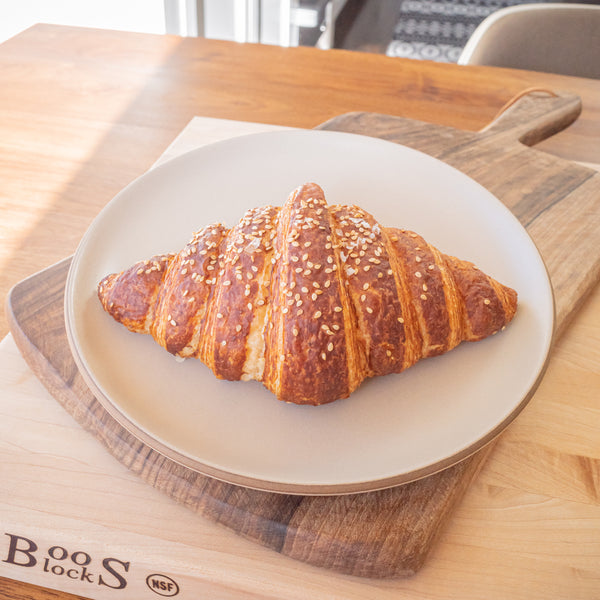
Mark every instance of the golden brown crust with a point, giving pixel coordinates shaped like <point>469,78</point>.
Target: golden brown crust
<point>310,299</point>
<point>306,354</point>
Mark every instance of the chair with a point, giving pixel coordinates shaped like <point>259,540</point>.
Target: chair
<point>553,38</point>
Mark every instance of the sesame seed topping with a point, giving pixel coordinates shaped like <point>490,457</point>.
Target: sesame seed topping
<point>324,356</point>
<point>418,274</point>
<point>317,314</point>
<point>369,310</point>
<point>330,346</point>
<point>400,320</point>
<point>486,301</point>
<point>423,297</point>
<point>338,309</point>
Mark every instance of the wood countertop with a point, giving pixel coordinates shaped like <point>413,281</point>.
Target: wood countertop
<point>83,112</point>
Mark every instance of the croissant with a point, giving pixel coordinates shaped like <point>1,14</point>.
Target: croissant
<point>307,298</point>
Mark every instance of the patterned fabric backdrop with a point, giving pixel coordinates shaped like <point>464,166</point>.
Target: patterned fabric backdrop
<point>437,29</point>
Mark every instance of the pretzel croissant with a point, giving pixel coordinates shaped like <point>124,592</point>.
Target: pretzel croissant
<point>308,298</point>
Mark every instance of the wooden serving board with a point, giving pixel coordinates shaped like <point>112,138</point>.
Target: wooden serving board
<point>385,533</point>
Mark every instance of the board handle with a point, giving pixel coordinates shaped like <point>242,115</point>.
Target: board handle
<point>534,115</point>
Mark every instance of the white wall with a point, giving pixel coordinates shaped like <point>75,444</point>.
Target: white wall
<point>130,15</point>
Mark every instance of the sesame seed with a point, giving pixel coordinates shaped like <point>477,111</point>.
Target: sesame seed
<point>418,259</point>
<point>431,267</point>
<point>324,356</point>
<point>317,314</point>
<point>295,331</point>
<point>363,297</point>
<point>486,301</point>
<point>400,320</point>
<point>173,322</point>
<point>423,297</point>
<point>424,287</point>
<point>369,310</point>
<point>418,274</point>
<point>219,316</point>
<point>330,346</point>
<point>314,297</point>
<point>338,309</point>
<point>388,353</point>
<point>238,328</point>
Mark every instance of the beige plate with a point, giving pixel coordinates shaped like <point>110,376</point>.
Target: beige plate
<point>393,429</point>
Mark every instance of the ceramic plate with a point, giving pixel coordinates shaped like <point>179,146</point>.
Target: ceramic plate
<point>393,429</point>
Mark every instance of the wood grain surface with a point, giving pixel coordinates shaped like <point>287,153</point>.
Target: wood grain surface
<point>84,111</point>
<point>390,532</point>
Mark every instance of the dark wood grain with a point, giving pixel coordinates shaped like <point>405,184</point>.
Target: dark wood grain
<point>386,533</point>
<point>377,534</point>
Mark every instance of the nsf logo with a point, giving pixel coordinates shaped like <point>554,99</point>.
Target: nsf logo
<point>162,585</point>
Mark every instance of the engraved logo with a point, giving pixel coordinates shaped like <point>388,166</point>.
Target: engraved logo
<point>162,585</point>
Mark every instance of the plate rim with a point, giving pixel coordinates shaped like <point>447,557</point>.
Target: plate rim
<point>266,485</point>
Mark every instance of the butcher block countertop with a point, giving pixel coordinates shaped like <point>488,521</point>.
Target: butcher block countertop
<point>84,112</point>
